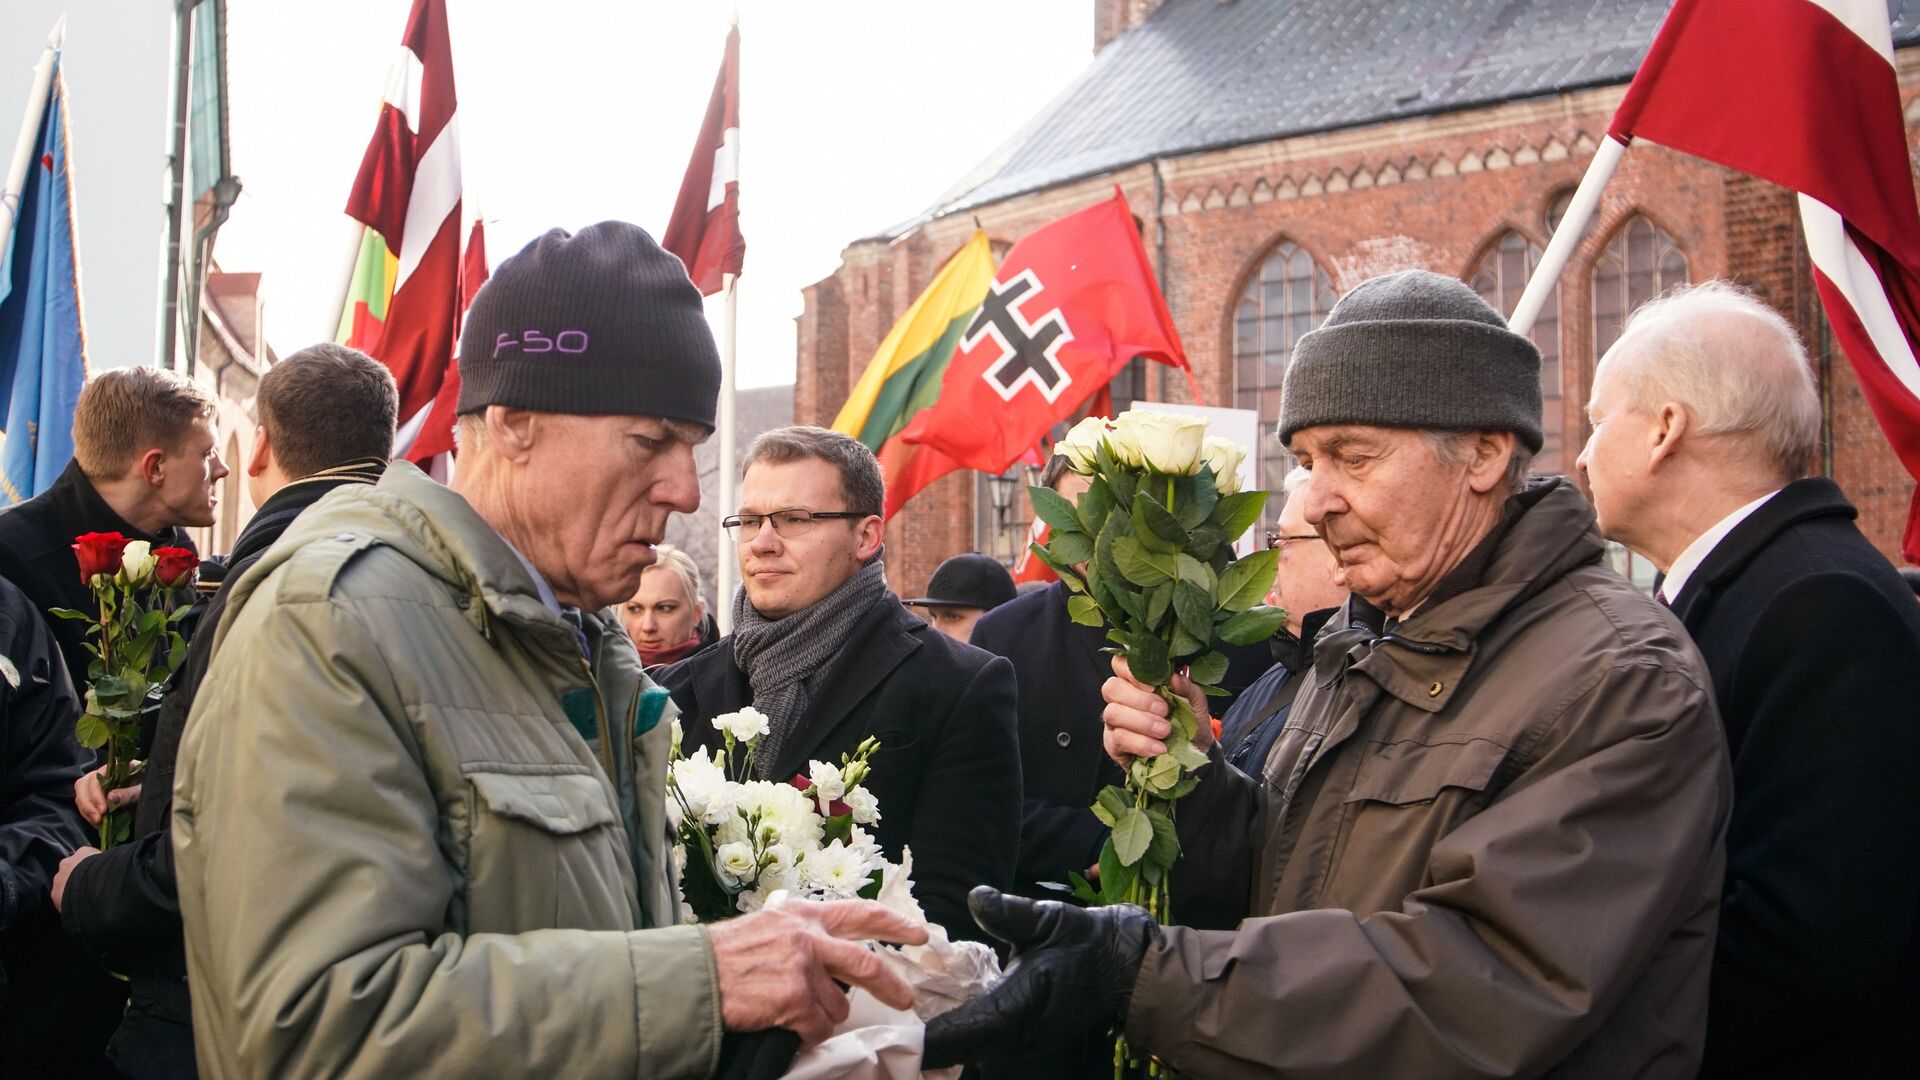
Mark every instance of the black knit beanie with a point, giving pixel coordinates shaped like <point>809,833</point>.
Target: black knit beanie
<point>602,322</point>
<point>1414,350</point>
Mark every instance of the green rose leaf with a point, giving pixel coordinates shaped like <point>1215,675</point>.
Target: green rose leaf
<point>1205,541</point>
<point>1195,609</point>
<point>1085,610</point>
<point>1184,723</point>
<point>1165,846</point>
<point>1082,889</point>
<point>91,731</point>
<point>1163,773</point>
<point>1235,514</point>
<point>69,613</point>
<point>1245,583</point>
<point>1147,657</point>
<point>1252,626</point>
<point>1209,669</point>
<point>1140,566</point>
<point>1202,497</point>
<point>1132,834</point>
<point>1116,877</point>
<point>1193,570</point>
<point>1159,598</point>
<point>1185,644</point>
<point>1054,508</point>
<point>1183,788</point>
<point>1133,604</point>
<point>1070,547</point>
<point>1155,527</point>
<point>1094,505</point>
<point>1188,755</point>
<point>1111,803</point>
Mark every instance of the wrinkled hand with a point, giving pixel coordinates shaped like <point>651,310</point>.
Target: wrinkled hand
<point>65,871</point>
<point>1073,971</point>
<point>1136,717</point>
<point>779,965</point>
<point>92,799</point>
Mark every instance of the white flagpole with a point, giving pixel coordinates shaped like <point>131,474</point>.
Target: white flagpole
<point>29,131</point>
<point>726,558</point>
<point>1586,198</point>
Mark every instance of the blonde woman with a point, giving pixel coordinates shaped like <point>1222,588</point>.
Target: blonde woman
<point>664,618</point>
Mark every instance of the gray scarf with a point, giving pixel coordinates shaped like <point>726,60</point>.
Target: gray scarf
<point>779,655</point>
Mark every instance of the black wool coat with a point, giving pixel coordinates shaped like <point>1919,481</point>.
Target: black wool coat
<point>36,553</point>
<point>1813,641</point>
<point>1060,669</point>
<point>947,774</point>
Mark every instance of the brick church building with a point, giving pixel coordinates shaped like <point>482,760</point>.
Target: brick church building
<point>1279,152</point>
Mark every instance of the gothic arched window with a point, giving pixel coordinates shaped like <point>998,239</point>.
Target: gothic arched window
<point>1639,263</point>
<point>1500,278</point>
<point>1287,297</point>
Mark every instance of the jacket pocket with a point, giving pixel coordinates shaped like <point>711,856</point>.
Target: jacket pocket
<point>545,851</point>
<point>1405,773</point>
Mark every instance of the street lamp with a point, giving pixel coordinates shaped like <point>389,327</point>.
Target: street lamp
<point>1003,491</point>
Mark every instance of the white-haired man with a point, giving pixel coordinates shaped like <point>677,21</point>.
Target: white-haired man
<point>1486,842</point>
<point>418,818</point>
<point>1705,426</point>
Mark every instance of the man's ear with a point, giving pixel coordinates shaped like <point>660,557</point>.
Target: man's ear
<point>873,533</point>
<point>1491,452</point>
<point>152,466</point>
<point>261,454</point>
<point>1671,426</point>
<point>512,431</point>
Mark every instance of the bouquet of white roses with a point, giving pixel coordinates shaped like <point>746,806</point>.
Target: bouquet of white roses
<point>740,840</point>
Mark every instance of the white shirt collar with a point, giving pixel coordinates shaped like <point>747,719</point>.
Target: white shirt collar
<point>1703,545</point>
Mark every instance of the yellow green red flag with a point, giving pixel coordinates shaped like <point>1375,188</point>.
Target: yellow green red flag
<point>905,374</point>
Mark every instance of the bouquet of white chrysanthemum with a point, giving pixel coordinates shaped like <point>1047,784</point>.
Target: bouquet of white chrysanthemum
<point>739,841</point>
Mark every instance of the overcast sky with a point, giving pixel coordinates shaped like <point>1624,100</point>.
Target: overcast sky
<point>855,114</point>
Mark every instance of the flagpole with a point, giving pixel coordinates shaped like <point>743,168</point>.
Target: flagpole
<point>30,130</point>
<point>724,555</point>
<point>1586,199</point>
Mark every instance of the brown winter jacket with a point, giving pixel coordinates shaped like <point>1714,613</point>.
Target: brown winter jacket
<point>1486,844</point>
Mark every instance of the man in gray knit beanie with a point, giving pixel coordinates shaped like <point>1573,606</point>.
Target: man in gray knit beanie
<point>1499,793</point>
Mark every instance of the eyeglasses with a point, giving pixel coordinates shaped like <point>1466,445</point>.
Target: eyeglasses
<point>1276,540</point>
<point>787,523</point>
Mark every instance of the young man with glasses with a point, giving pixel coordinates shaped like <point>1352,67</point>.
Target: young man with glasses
<point>822,647</point>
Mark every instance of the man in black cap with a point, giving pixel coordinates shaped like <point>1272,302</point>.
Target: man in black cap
<point>421,806</point>
<point>964,588</point>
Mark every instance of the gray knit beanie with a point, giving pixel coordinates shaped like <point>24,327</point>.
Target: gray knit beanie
<point>602,322</point>
<point>1414,350</point>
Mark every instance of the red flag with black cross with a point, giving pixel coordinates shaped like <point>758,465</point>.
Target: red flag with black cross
<point>1071,304</point>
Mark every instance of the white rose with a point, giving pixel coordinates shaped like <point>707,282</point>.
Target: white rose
<point>735,864</point>
<point>1224,457</point>
<point>1082,443</point>
<point>1169,443</point>
<point>866,808</point>
<point>776,862</point>
<point>1124,439</point>
<point>745,726</point>
<point>136,563</point>
<point>827,783</point>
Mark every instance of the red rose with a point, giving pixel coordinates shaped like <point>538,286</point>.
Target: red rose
<point>98,553</point>
<point>174,566</point>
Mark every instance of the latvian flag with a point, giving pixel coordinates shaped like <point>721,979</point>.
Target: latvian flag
<point>1803,93</point>
<point>705,228</point>
<point>403,302</point>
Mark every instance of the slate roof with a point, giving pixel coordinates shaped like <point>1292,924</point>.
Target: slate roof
<point>1205,74</point>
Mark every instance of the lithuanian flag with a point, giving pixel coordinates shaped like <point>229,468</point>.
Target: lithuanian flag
<point>904,376</point>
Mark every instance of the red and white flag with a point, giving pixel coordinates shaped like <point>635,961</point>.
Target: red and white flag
<point>403,304</point>
<point>705,228</point>
<point>1803,93</point>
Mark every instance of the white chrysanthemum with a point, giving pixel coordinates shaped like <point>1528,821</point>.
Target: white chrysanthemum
<point>709,795</point>
<point>866,808</point>
<point>745,726</point>
<point>837,872</point>
<point>784,813</point>
<point>735,864</point>
<point>828,785</point>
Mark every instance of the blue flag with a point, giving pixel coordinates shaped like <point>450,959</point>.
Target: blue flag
<point>42,340</point>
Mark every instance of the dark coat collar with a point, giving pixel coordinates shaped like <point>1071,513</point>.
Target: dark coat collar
<point>77,506</point>
<point>1802,500</point>
<point>880,642</point>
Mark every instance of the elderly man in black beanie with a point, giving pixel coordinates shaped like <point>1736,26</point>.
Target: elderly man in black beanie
<point>418,818</point>
<point>1487,842</point>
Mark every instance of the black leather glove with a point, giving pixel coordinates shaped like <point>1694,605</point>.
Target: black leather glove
<point>1073,971</point>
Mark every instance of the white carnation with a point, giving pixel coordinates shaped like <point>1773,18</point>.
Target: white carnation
<point>745,726</point>
<point>735,864</point>
<point>866,808</point>
<point>828,785</point>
